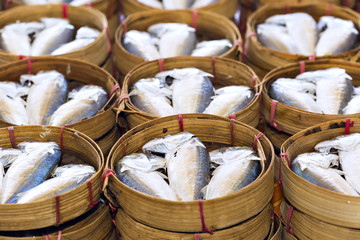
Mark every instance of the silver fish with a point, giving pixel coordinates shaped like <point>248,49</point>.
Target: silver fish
<point>230,99</point>
<point>12,110</point>
<point>166,144</point>
<point>353,106</point>
<point>69,177</point>
<point>315,168</point>
<point>84,103</point>
<point>154,86</point>
<point>46,94</point>
<point>239,167</point>
<point>138,172</point>
<point>177,43</point>
<point>314,76</point>
<point>56,33</point>
<point>81,2</point>
<point>294,84</point>
<point>339,36</point>
<point>192,95</point>
<point>87,32</point>
<point>140,44</point>
<point>152,3</point>
<point>42,2</point>
<point>203,3</point>
<point>160,29</point>
<point>211,48</point>
<point>30,169</point>
<point>344,143</point>
<point>188,169</point>
<point>13,89</point>
<point>177,4</point>
<point>15,37</point>
<point>276,38</point>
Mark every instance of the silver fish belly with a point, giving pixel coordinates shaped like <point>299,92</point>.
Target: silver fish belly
<point>188,169</point>
<point>177,43</point>
<point>152,3</point>
<point>211,48</point>
<point>177,4</point>
<point>349,161</point>
<point>12,110</point>
<point>141,45</point>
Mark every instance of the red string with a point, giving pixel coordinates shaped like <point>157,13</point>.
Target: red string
<point>123,144</point>
<point>125,27</point>
<point>312,58</point>
<point>358,7</point>
<point>125,96</point>
<point>48,237</point>
<point>59,235</point>
<point>287,8</point>
<point>204,228</point>
<point>92,203</point>
<point>213,68</point>
<point>346,3</point>
<point>11,131</point>
<point>243,20</point>
<point>194,19</point>
<point>161,64</point>
<point>89,5</point>
<point>329,9</point>
<point>108,38</point>
<point>348,125</point>
<point>257,139</point>
<point>62,137</point>
<point>28,61</point>
<point>115,87</point>
<point>197,236</point>
<point>107,172</point>
<point>64,10</point>
<point>232,133</point>
<point>287,158</point>
<point>288,227</point>
<point>181,123</point>
<point>57,200</point>
<point>272,117</point>
<point>302,66</point>
<point>253,81</point>
<point>251,34</point>
<point>113,216</point>
<point>21,57</point>
<point>7,4</point>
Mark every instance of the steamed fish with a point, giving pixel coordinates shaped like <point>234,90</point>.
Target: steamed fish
<point>239,166</point>
<point>211,48</point>
<point>152,3</point>
<point>203,3</point>
<point>140,44</point>
<point>13,89</point>
<point>177,4</point>
<point>12,110</point>
<point>354,104</point>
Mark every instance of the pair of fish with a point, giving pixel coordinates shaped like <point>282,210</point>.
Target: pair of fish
<point>188,169</point>
<point>333,89</point>
<point>45,103</point>
<point>177,4</point>
<point>187,90</point>
<point>165,40</point>
<point>317,167</point>
<point>51,36</point>
<point>298,33</point>
<point>70,2</point>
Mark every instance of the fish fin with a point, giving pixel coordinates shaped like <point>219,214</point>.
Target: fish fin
<point>162,175</point>
<point>203,191</point>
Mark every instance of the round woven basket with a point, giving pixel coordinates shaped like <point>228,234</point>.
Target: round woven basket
<point>96,52</point>
<point>307,227</point>
<point>277,229</point>
<point>227,71</point>
<point>219,213</point>
<point>94,127</point>
<point>258,3</point>
<point>268,59</point>
<point>98,225</point>
<point>328,206</point>
<point>292,120</point>
<point>208,24</point>
<point>72,204</point>
<point>226,8</point>
<point>108,140</point>
<point>254,228</point>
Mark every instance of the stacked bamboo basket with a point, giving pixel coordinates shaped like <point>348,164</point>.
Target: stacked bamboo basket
<point>102,127</point>
<point>227,72</point>
<point>67,206</point>
<point>209,25</point>
<point>262,59</point>
<point>315,212</point>
<point>241,214</point>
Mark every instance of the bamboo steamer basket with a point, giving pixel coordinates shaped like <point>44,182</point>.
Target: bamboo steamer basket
<point>254,4</point>
<point>72,204</point>
<point>94,127</point>
<point>208,24</point>
<point>254,228</point>
<point>266,58</point>
<point>98,225</point>
<point>307,227</point>
<point>275,137</point>
<point>277,229</point>
<point>226,8</point>
<point>185,217</point>
<point>108,140</point>
<point>96,52</point>
<point>328,206</point>
<point>227,71</point>
<point>113,23</point>
<point>291,120</point>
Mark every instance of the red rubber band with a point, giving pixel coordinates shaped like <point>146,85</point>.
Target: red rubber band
<point>358,7</point>
<point>232,132</point>
<point>123,148</point>
<point>253,81</point>
<point>64,10</point>
<point>21,57</point>
<point>92,203</point>
<point>329,9</point>
<point>11,131</point>
<point>125,27</point>
<point>302,66</point>
<point>194,19</point>
<point>28,61</point>
<point>161,64</point>
<point>108,38</point>
<point>272,117</point>
<point>257,138</point>
<point>213,68</point>
<point>251,34</point>
<point>107,172</point>
<point>197,236</point>
<point>115,87</point>
<point>288,227</point>
<point>125,96</point>
<point>181,123</point>
<point>113,215</point>
<point>62,137</point>
<point>287,8</point>
<point>204,228</point>
<point>348,125</point>
<point>346,3</point>
<point>57,200</point>
<point>287,158</point>
<point>312,58</point>
<point>7,4</point>
<point>59,235</point>
<point>48,237</point>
